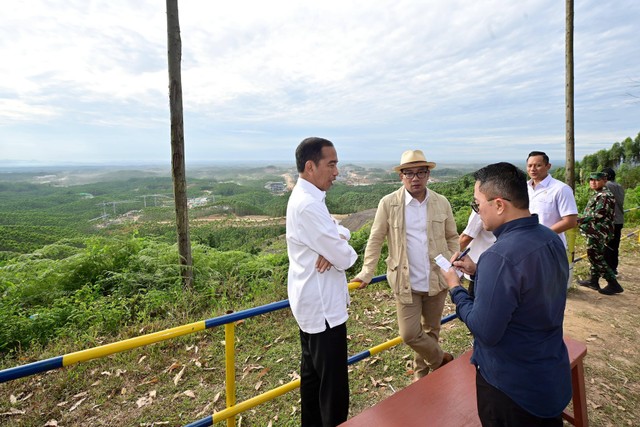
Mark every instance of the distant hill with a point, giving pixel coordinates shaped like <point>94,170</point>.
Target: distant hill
<point>356,221</point>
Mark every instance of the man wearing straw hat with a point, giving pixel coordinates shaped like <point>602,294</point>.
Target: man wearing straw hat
<point>418,225</point>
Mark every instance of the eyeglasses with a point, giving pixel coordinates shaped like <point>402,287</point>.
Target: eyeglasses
<point>476,206</point>
<point>419,174</point>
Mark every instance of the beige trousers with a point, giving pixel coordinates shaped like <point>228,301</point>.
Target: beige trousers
<point>419,324</point>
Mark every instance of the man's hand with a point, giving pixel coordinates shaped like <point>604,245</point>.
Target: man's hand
<point>322,264</point>
<point>466,264</point>
<point>451,277</point>
<point>362,284</point>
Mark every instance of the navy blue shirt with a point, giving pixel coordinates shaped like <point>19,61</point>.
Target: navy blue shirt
<point>517,314</point>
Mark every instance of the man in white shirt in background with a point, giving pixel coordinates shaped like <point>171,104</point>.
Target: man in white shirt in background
<point>477,239</point>
<point>551,199</point>
<point>317,286</point>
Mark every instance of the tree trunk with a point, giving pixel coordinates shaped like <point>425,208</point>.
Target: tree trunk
<point>177,142</point>
<point>570,138</point>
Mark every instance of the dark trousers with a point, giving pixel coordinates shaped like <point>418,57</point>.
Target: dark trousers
<point>611,250</point>
<point>496,409</point>
<point>324,380</point>
<point>595,254</point>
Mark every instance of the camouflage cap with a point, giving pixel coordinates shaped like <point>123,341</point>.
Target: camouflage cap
<point>596,175</point>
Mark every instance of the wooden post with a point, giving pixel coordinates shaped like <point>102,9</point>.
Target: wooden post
<point>570,138</point>
<point>177,142</point>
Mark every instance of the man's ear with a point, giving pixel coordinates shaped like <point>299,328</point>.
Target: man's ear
<point>308,166</point>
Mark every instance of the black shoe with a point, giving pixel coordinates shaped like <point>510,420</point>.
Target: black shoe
<point>613,287</point>
<point>591,283</point>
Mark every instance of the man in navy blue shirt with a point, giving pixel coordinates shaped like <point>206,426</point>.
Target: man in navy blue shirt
<point>523,373</point>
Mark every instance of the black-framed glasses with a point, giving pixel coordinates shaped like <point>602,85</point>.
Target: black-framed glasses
<point>476,206</point>
<point>419,174</point>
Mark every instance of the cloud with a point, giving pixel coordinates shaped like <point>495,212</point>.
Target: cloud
<point>470,79</point>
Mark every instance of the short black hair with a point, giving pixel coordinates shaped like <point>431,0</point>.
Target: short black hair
<point>310,149</point>
<point>504,180</point>
<point>610,173</point>
<point>539,153</point>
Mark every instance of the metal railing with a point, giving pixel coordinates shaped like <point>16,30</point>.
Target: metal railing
<point>626,236</point>
<point>228,320</point>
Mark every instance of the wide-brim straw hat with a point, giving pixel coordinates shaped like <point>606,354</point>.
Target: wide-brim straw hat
<point>412,159</point>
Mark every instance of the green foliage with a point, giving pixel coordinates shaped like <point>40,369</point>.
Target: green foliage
<point>27,238</point>
<point>460,194</point>
<point>631,203</point>
<point>358,242</point>
<point>60,275</point>
<point>623,156</point>
<point>97,285</point>
<point>232,235</point>
<point>344,199</point>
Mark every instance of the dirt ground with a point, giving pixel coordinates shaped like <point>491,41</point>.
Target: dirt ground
<point>609,325</point>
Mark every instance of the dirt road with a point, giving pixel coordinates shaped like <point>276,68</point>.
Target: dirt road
<point>610,326</point>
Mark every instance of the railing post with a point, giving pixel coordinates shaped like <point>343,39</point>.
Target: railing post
<point>230,366</point>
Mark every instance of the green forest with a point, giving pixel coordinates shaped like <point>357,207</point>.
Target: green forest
<point>90,258</point>
<point>73,264</point>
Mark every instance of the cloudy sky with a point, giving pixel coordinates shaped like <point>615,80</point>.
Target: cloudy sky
<point>86,81</point>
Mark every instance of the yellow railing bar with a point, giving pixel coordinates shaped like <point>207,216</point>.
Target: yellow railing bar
<point>116,347</point>
<point>255,401</point>
<point>230,367</point>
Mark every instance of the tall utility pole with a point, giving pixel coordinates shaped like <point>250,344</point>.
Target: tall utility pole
<point>570,171</point>
<point>177,142</point>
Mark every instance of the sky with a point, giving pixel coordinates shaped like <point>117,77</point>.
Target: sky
<point>86,81</point>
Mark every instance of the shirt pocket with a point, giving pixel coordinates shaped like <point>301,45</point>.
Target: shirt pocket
<point>544,203</point>
<point>438,227</point>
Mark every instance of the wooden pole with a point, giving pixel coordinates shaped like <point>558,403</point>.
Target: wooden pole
<point>178,172</point>
<point>570,138</point>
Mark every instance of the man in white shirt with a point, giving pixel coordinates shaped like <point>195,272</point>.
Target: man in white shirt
<point>551,199</point>
<point>477,239</point>
<point>418,225</point>
<point>317,286</point>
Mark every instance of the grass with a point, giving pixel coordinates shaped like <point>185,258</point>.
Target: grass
<point>182,380</point>
<point>139,387</point>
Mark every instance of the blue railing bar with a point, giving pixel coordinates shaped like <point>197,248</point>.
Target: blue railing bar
<point>204,422</point>
<point>364,354</point>
<point>30,369</point>
<point>267,308</point>
<point>58,362</point>
<point>245,314</point>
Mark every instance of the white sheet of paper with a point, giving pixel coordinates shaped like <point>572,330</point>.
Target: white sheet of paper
<point>445,264</point>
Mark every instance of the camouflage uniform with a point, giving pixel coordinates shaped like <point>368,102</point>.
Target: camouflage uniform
<point>596,223</point>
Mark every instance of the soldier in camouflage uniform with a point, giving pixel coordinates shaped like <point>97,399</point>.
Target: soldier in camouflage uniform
<point>596,223</point>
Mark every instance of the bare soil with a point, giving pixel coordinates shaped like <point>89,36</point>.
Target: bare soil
<point>609,325</point>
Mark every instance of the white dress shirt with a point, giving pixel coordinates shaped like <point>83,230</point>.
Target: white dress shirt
<point>551,200</point>
<point>482,239</point>
<point>415,219</point>
<point>316,297</point>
